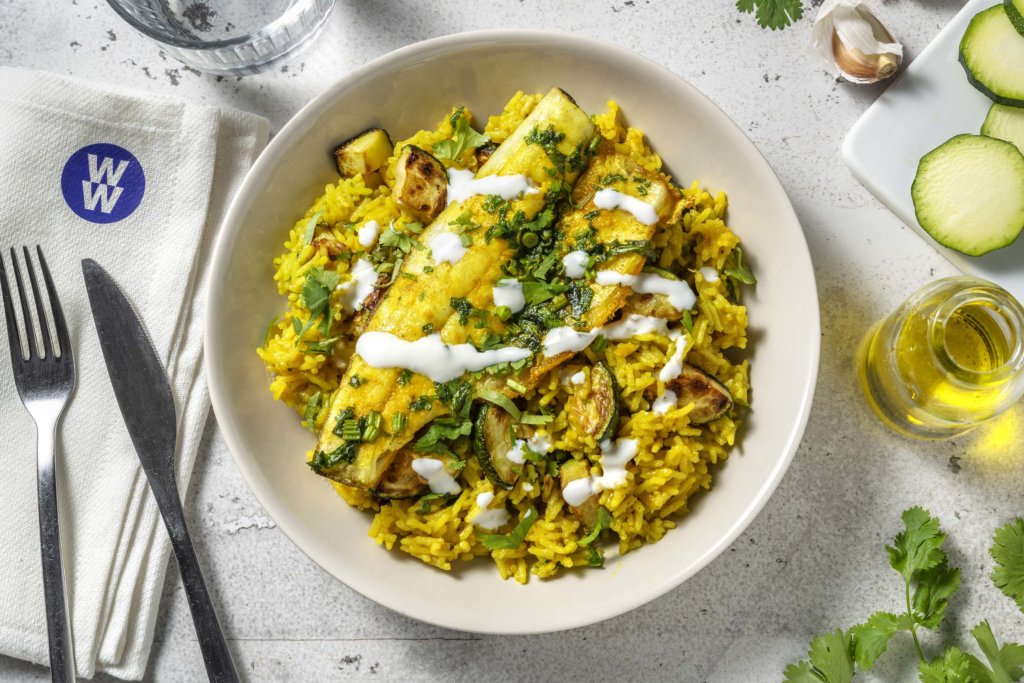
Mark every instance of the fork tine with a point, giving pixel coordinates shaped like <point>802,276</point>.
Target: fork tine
<point>12,323</point>
<point>30,331</point>
<point>60,326</point>
<point>44,326</point>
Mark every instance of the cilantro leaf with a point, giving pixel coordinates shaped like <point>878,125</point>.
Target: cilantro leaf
<point>1008,552</point>
<point>312,408</point>
<point>954,666</point>
<point>1007,662</point>
<point>932,592</point>
<point>269,330</point>
<point>515,538</point>
<point>872,637</point>
<point>919,547</point>
<point>440,431</point>
<point>307,236</point>
<point>801,672</point>
<point>773,14</point>
<point>316,294</point>
<point>464,138</point>
<point>831,661</point>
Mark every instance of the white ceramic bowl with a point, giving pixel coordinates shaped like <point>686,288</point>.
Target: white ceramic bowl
<point>413,88</point>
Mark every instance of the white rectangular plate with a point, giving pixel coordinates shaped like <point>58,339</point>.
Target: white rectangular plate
<point>928,104</point>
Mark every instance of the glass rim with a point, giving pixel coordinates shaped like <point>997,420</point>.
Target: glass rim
<point>200,46</point>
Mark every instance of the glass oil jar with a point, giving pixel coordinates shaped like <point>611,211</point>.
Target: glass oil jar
<point>949,358</point>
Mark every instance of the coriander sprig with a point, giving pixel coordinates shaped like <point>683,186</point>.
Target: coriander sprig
<point>929,582</point>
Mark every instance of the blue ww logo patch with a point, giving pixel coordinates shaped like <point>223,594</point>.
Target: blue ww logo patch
<point>103,183</point>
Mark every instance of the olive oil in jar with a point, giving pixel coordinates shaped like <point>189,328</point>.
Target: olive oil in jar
<point>948,359</point>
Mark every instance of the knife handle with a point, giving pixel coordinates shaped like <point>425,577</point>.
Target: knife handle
<point>219,666</point>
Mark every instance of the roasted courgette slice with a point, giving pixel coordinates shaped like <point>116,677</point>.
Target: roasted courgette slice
<point>492,440</point>
<point>421,183</point>
<point>484,152</point>
<point>651,305</point>
<point>365,153</point>
<point>400,481</point>
<point>709,397</point>
<point>594,406</point>
<point>571,470</point>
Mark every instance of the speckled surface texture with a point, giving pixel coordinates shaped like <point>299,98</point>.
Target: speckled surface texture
<point>813,560</point>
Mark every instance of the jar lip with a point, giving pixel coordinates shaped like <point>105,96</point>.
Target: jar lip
<point>1005,310</point>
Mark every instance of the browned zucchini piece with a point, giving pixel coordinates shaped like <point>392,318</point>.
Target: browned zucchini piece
<point>653,305</point>
<point>484,152</point>
<point>421,183</point>
<point>571,470</point>
<point>365,153</point>
<point>492,441</point>
<point>594,406</point>
<point>710,397</point>
<point>400,479</point>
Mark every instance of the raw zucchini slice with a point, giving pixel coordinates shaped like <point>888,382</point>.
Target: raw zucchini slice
<point>992,52</point>
<point>1015,13</point>
<point>969,193</point>
<point>594,407</point>
<point>365,153</point>
<point>1005,123</point>
<point>492,441</point>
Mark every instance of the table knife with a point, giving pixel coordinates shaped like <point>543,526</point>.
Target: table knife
<point>144,395</point>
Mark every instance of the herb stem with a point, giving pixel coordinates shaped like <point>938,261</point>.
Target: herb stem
<point>913,623</point>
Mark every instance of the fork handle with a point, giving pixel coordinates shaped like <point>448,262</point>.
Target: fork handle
<point>219,666</point>
<point>62,653</point>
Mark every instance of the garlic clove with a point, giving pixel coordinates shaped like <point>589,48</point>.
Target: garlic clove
<point>854,44</point>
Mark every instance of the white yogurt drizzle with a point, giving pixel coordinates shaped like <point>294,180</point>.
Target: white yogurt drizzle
<point>527,487</point>
<point>664,403</point>
<point>368,234</point>
<point>517,454</point>
<point>462,185</point>
<point>709,274</point>
<point>561,339</point>
<point>613,199</point>
<point>363,278</point>
<point>446,247</point>
<point>579,378</point>
<point>509,293</point>
<point>614,458</point>
<point>678,292</point>
<point>674,365</point>
<point>539,443</point>
<point>430,356</point>
<point>487,517</point>
<point>575,263</point>
<point>437,476</point>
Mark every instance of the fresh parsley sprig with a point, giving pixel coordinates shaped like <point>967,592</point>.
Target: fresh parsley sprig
<point>917,554</point>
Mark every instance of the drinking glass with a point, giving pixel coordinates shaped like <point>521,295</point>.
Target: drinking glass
<point>227,36</point>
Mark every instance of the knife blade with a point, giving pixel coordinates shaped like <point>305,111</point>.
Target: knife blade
<point>146,401</point>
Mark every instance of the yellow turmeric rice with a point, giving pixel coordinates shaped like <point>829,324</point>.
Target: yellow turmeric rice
<point>674,458</point>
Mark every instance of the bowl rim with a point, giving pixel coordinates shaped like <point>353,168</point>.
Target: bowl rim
<point>271,156</point>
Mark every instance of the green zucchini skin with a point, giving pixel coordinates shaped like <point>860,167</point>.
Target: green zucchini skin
<point>992,30</point>
<point>1015,13</point>
<point>601,372</point>
<point>495,463</point>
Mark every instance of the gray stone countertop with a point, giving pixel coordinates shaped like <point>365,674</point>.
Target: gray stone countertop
<point>812,561</point>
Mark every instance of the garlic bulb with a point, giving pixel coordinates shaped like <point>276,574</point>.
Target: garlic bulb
<point>854,43</point>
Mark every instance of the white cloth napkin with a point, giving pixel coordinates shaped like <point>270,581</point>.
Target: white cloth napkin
<point>61,191</point>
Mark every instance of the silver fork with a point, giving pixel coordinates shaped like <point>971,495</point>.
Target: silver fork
<point>45,377</point>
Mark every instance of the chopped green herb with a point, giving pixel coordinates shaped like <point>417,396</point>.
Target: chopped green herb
<point>442,431</point>
<point>558,302</point>
<point>514,539</point>
<point>421,403</point>
<point>612,178</point>
<point>312,408</point>
<point>424,507</point>
<point>269,329</point>
<point>740,273</point>
<point>311,224</point>
<point>321,346</point>
<point>428,328</point>
<point>398,422</point>
<point>580,296</point>
<point>404,377</point>
<point>464,138</point>
<point>688,321</point>
<point>457,395</point>
<point>1008,552</point>
<point>603,520</point>
<point>371,430</point>
<point>530,419</point>
<point>297,326</point>
<point>316,293</point>
<point>594,557</point>
<point>354,381</point>
<point>773,14</point>
<point>599,344</point>
<point>345,453</point>
<point>414,227</point>
<point>503,313</point>
<point>548,140</point>
<point>465,239</point>
<point>539,292</point>
<point>501,400</point>
<point>516,386</point>
<point>350,430</point>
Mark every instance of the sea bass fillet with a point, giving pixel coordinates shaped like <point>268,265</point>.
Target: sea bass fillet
<point>421,300</point>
